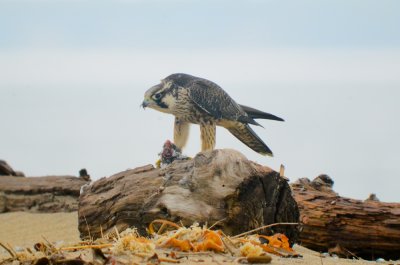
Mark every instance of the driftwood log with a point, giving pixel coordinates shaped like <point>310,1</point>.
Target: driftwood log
<point>7,170</point>
<point>369,229</point>
<point>219,186</point>
<point>40,194</point>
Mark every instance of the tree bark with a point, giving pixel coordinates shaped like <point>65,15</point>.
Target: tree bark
<point>7,170</point>
<point>369,229</point>
<point>40,194</point>
<point>217,186</point>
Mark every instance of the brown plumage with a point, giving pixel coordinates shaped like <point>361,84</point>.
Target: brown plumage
<point>196,100</point>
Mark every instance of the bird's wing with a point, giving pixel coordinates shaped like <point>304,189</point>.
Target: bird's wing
<point>213,100</point>
<point>247,136</point>
<point>258,114</point>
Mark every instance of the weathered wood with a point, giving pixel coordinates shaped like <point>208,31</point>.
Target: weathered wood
<point>369,229</point>
<point>221,185</point>
<point>7,170</point>
<point>40,194</point>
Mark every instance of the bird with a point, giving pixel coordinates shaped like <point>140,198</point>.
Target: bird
<point>195,100</point>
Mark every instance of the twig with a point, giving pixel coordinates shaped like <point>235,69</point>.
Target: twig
<point>101,231</point>
<point>87,247</point>
<point>262,228</point>
<point>351,253</point>
<point>50,246</point>
<point>117,233</point>
<point>168,260</point>
<point>228,239</point>
<point>282,171</point>
<point>142,255</point>
<point>216,223</point>
<point>6,261</point>
<point>180,253</point>
<point>48,242</point>
<point>163,222</point>
<point>162,227</point>
<point>87,227</point>
<point>12,249</point>
<point>12,253</point>
<point>227,246</point>
<point>225,237</point>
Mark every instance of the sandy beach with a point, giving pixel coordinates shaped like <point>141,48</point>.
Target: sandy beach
<point>22,229</point>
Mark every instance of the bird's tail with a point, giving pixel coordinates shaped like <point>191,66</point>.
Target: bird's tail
<point>247,136</point>
<point>258,114</point>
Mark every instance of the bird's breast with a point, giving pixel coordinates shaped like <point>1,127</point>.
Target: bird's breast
<point>185,110</point>
<point>195,117</point>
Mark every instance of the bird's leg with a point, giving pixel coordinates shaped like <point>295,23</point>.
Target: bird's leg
<point>207,134</point>
<point>181,133</point>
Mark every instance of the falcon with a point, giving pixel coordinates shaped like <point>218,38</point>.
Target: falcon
<point>199,101</point>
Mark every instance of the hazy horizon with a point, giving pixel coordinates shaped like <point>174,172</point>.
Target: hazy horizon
<point>73,74</point>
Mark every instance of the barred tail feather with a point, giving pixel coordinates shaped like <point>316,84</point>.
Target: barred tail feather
<point>247,136</point>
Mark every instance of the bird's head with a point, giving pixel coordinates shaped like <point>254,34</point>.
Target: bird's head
<point>159,97</point>
<point>162,97</point>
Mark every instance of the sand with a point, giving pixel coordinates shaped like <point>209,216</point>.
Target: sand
<point>23,229</point>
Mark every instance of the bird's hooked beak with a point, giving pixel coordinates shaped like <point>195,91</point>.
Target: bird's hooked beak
<point>148,102</point>
<point>145,103</point>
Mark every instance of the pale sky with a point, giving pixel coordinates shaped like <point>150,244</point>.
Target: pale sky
<point>73,74</point>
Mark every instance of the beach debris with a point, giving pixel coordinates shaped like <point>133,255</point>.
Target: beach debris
<point>129,240</point>
<point>250,250</point>
<point>47,194</point>
<point>328,218</point>
<point>7,170</point>
<point>83,174</point>
<point>194,238</point>
<point>262,259</point>
<point>372,197</point>
<point>213,186</point>
<point>168,242</point>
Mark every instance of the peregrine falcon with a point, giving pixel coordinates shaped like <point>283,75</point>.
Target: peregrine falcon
<point>199,101</point>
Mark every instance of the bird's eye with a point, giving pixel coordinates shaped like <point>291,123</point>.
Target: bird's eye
<point>157,96</point>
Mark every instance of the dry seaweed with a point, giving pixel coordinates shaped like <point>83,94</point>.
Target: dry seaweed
<point>168,242</point>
